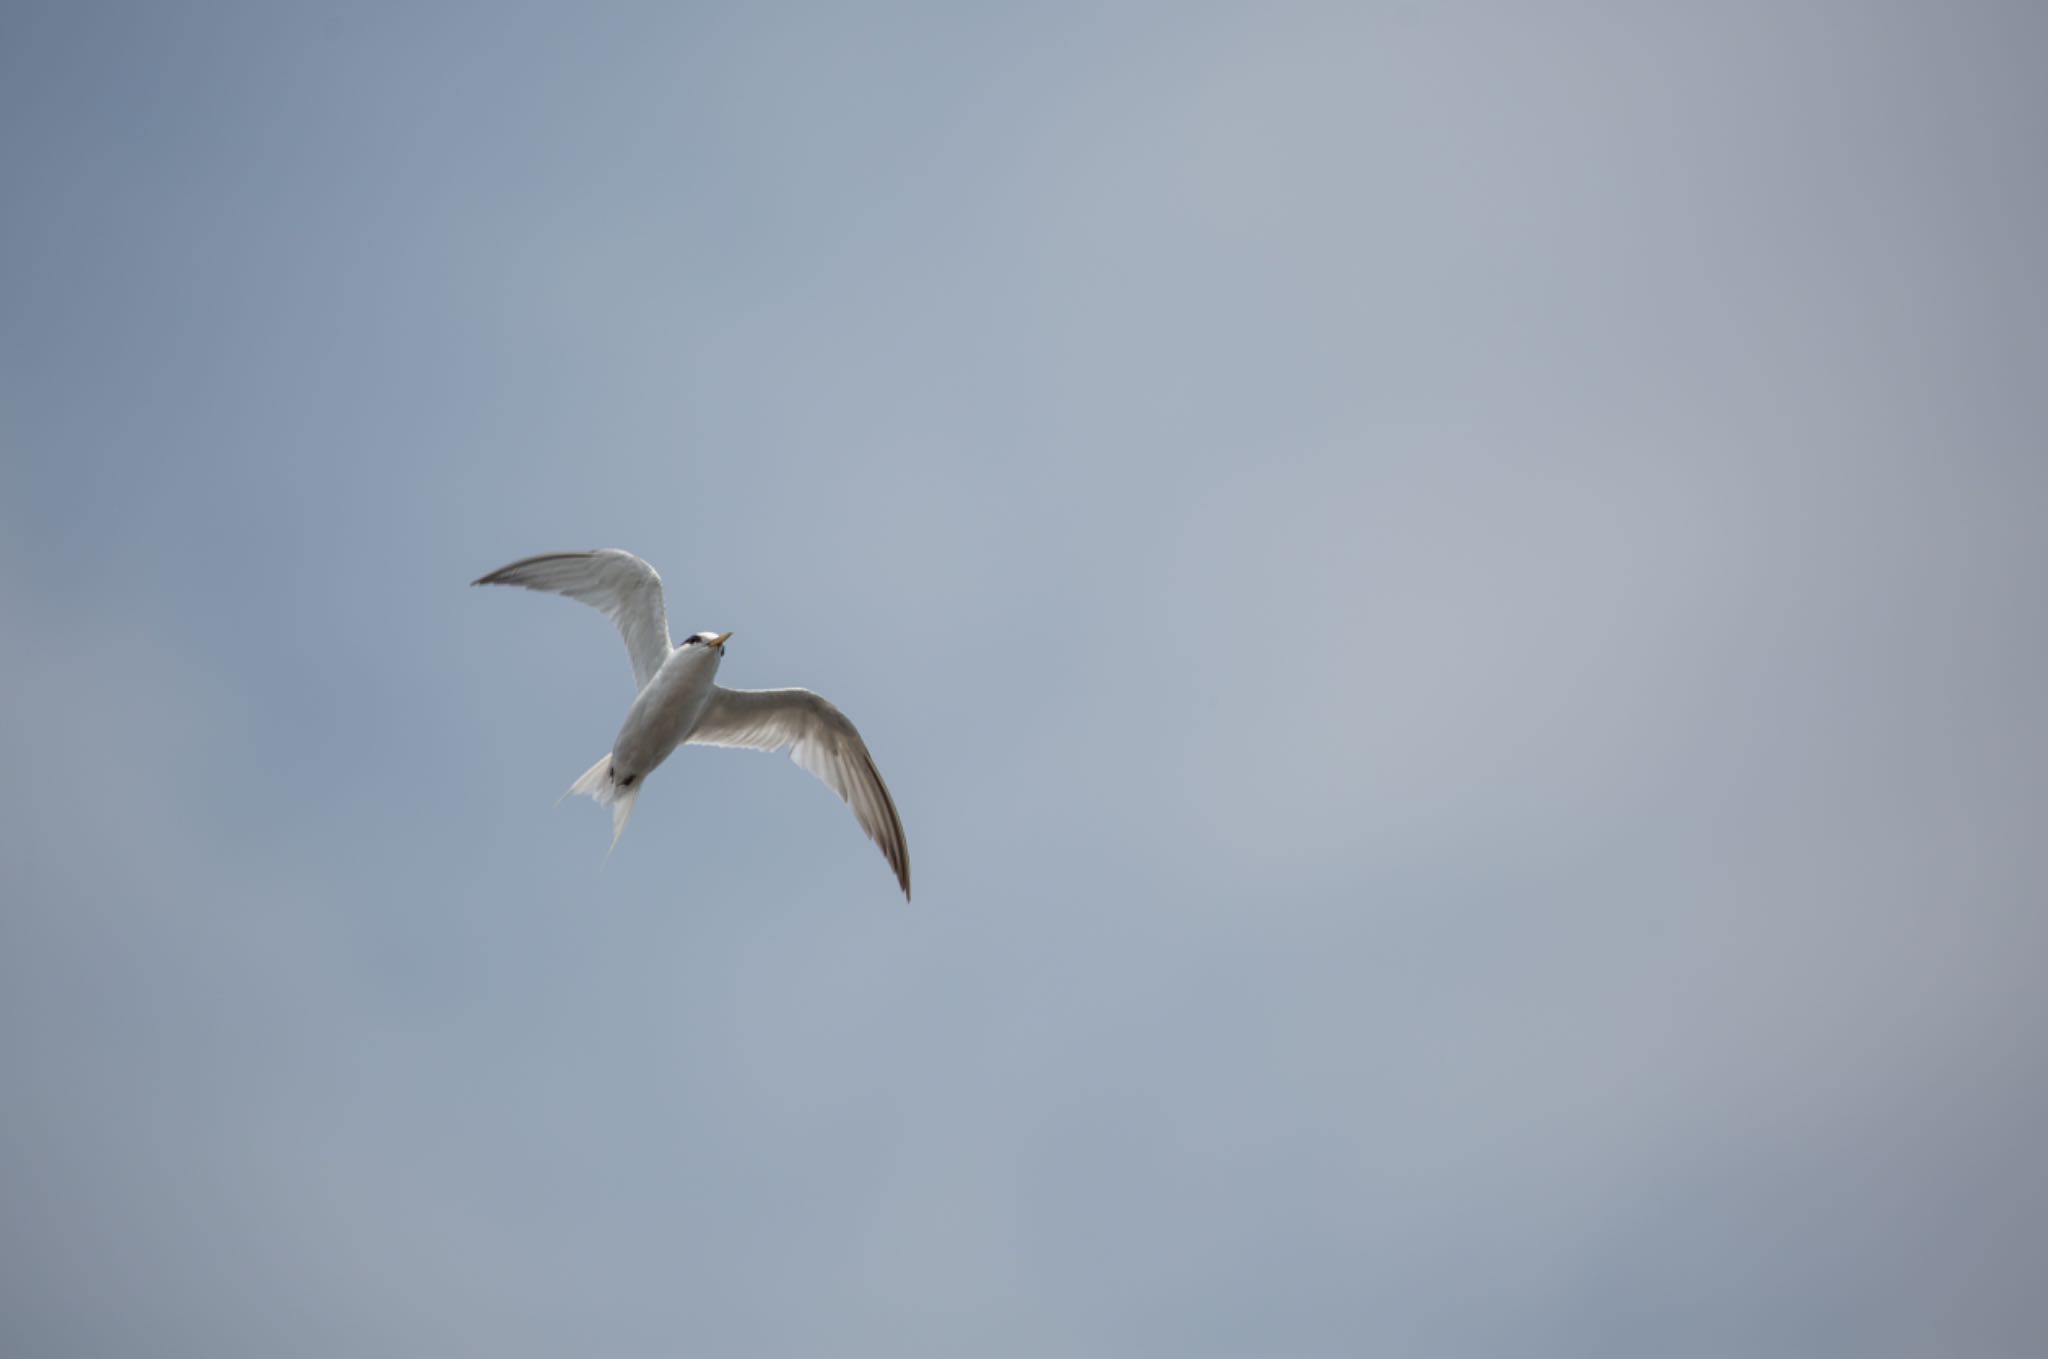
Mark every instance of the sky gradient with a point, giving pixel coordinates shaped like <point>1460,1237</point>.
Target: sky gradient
<point>1450,594</point>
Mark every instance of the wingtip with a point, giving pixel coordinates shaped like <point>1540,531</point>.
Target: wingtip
<point>502,576</point>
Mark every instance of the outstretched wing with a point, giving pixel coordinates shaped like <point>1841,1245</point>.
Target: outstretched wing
<point>612,581</point>
<point>822,741</point>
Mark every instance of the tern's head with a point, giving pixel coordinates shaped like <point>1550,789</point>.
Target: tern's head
<point>713,642</point>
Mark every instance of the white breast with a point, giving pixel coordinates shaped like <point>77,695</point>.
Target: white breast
<point>664,711</point>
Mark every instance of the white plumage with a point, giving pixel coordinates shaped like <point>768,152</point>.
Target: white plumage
<point>677,702</point>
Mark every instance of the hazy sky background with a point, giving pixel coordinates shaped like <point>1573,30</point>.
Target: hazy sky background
<point>1451,594</point>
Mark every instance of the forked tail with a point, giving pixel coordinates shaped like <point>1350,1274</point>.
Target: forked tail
<point>600,787</point>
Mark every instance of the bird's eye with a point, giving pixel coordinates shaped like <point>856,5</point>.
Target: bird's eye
<point>688,640</point>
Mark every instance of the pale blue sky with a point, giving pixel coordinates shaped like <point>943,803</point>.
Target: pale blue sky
<point>1506,543</point>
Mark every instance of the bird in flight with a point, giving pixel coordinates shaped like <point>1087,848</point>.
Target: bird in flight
<point>678,704</point>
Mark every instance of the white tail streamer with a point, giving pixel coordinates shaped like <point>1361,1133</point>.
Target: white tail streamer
<point>598,785</point>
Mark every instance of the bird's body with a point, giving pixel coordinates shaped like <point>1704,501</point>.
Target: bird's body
<point>665,710</point>
<point>678,700</point>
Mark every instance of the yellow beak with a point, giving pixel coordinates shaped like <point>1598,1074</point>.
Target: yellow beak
<point>719,640</point>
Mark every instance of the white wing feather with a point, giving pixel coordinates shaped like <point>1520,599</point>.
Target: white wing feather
<point>821,741</point>
<point>615,583</point>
